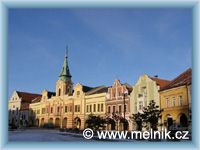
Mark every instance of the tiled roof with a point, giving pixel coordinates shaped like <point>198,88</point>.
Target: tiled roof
<point>86,88</point>
<point>27,97</point>
<point>98,90</point>
<point>37,99</point>
<point>184,78</point>
<point>161,82</point>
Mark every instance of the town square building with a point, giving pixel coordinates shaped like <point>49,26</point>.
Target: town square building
<point>145,90</point>
<point>19,108</point>
<point>118,106</point>
<point>175,99</point>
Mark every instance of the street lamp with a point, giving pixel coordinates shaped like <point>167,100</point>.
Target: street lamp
<point>124,94</point>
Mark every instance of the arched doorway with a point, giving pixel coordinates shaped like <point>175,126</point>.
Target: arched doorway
<point>183,120</point>
<point>77,122</point>
<point>37,122</point>
<point>64,123</point>
<point>42,122</point>
<point>111,124</point>
<point>57,123</point>
<point>51,120</point>
<point>168,121</point>
<point>123,124</point>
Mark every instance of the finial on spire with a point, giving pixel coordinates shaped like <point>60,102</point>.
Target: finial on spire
<point>66,55</point>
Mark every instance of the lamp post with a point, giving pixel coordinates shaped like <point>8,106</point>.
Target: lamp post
<point>124,94</point>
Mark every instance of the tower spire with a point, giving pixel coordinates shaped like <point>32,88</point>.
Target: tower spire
<point>65,73</point>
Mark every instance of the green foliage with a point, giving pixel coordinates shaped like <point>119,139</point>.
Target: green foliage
<point>138,118</point>
<point>150,116</point>
<point>95,122</point>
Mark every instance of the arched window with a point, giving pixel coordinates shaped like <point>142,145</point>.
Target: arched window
<point>59,92</point>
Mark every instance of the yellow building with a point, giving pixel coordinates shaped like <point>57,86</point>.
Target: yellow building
<point>174,100</point>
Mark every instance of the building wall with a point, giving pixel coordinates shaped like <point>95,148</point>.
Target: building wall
<point>143,92</point>
<point>174,103</point>
<point>67,109</point>
<point>115,99</point>
<point>14,106</point>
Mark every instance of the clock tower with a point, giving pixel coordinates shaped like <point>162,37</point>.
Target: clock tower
<point>64,85</point>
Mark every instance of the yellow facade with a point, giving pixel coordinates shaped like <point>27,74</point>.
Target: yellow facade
<point>175,105</point>
<point>68,111</point>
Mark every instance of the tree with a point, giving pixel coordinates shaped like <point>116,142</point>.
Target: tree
<point>151,115</point>
<point>138,119</point>
<point>95,122</point>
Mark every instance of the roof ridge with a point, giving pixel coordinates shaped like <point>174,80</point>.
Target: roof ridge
<point>182,74</point>
<point>28,93</point>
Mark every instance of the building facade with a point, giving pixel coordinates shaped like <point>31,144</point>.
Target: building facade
<point>69,106</point>
<point>118,106</point>
<point>175,101</point>
<point>18,107</point>
<point>145,90</point>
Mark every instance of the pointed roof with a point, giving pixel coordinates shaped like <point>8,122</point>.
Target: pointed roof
<point>184,78</point>
<point>65,73</point>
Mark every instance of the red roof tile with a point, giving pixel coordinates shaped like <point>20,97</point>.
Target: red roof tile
<point>184,78</point>
<point>27,97</point>
<point>161,82</point>
<point>37,99</point>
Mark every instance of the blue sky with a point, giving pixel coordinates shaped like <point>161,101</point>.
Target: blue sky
<point>104,45</point>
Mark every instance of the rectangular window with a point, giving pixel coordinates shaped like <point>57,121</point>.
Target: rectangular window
<point>174,101</point>
<point>51,109</point>
<point>101,107</point>
<point>167,102</point>
<point>113,109</point>
<point>38,111</point>
<point>70,109</point>
<point>58,109</point>
<point>181,100</point>
<point>94,108</point>
<point>120,108</point>
<point>87,110</point>
<point>98,109</point>
<point>66,109</point>
<point>78,108</point>
<point>108,109</point>
<point>90,108</point>
<point>140,105</point>
<point>43,110</point>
